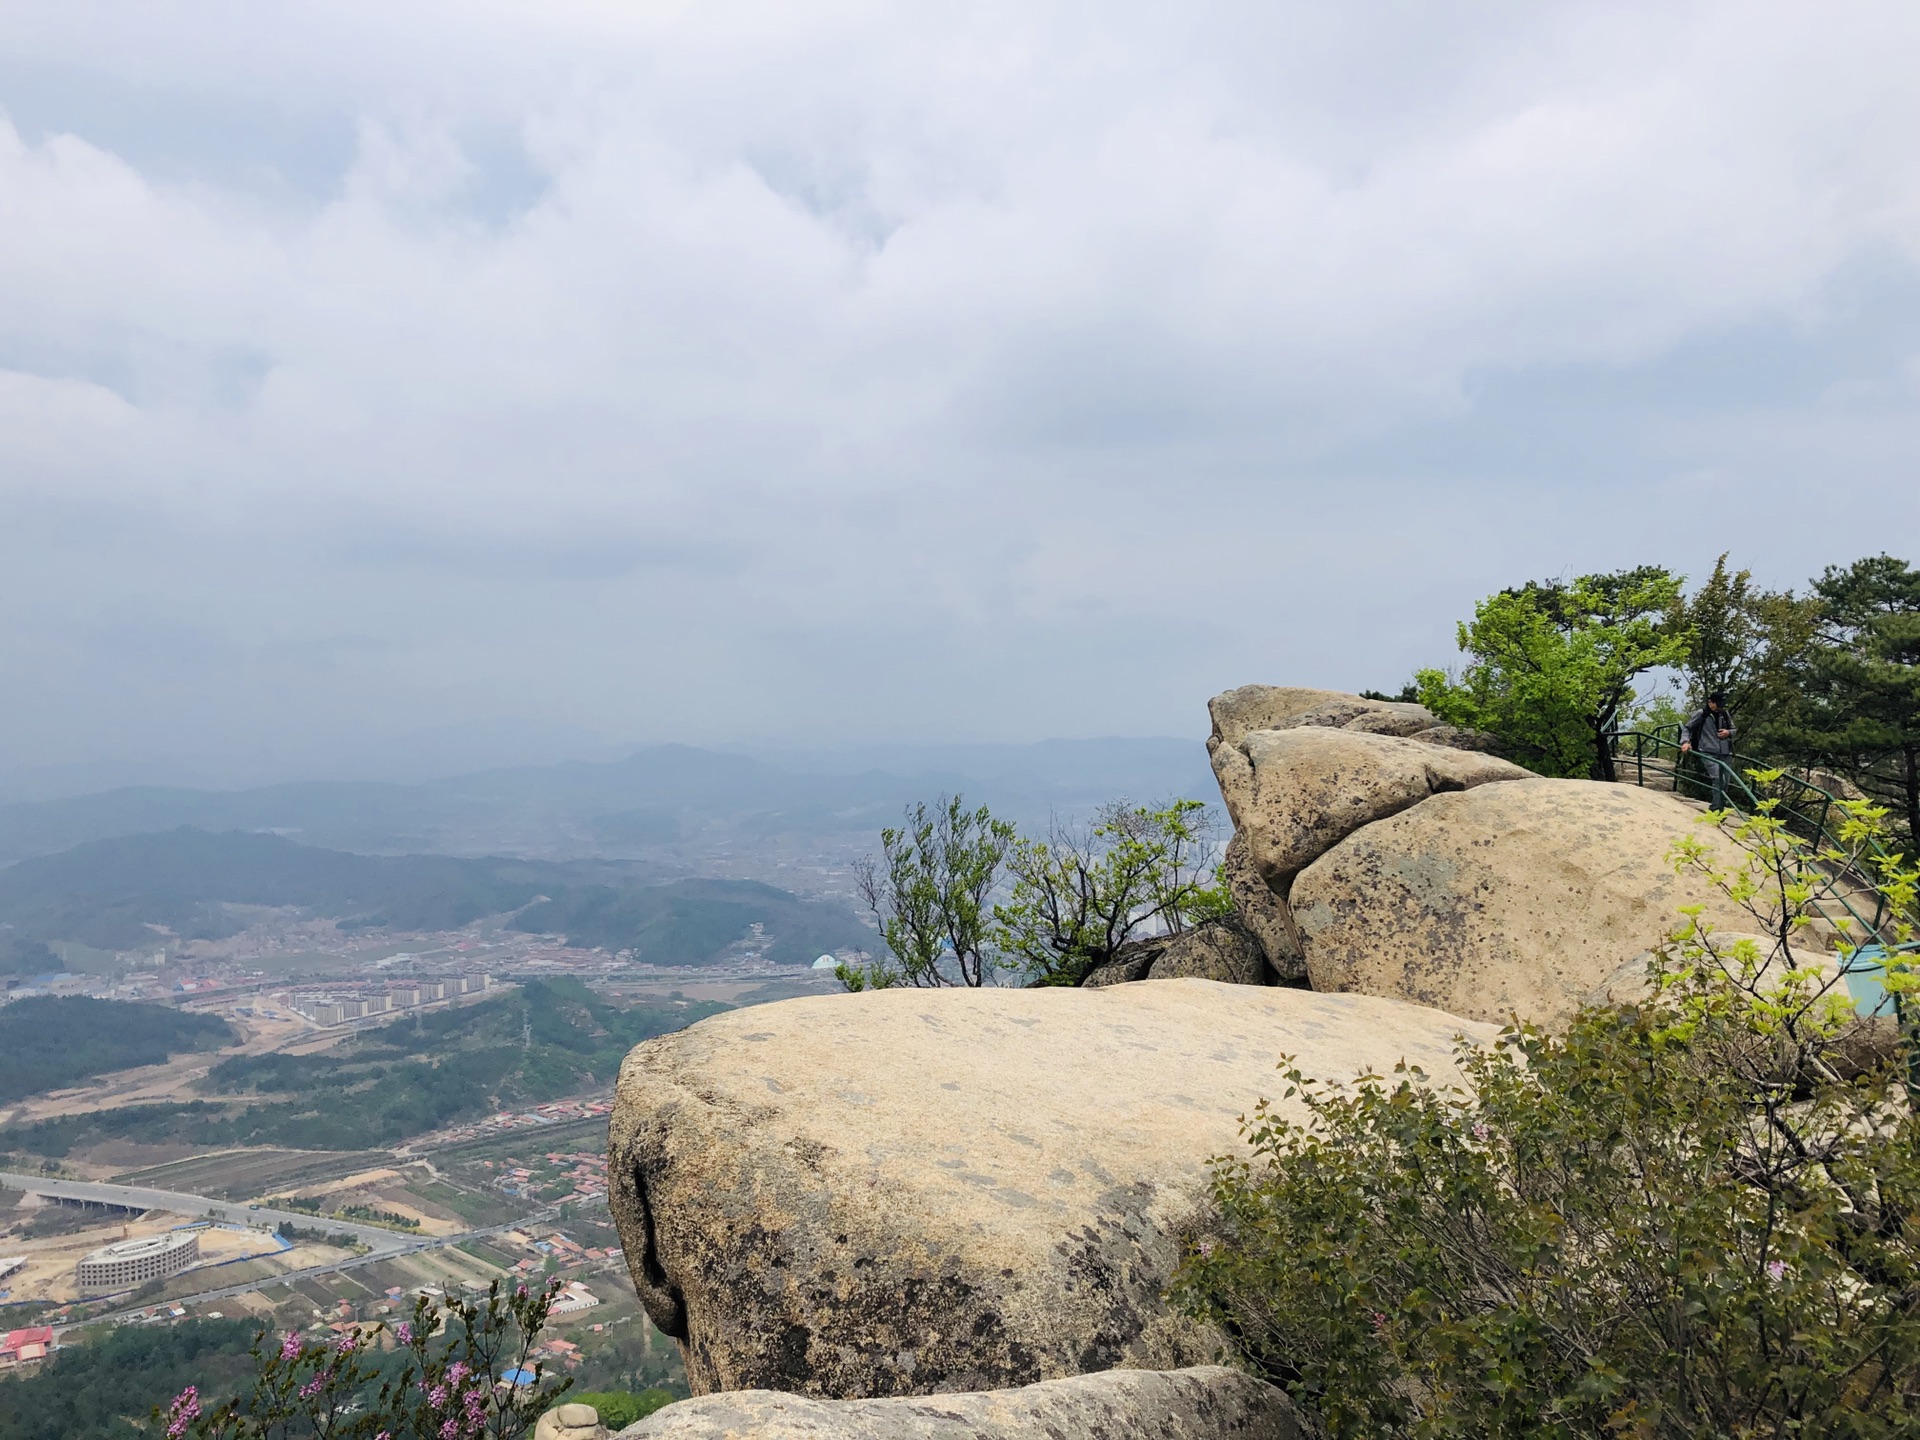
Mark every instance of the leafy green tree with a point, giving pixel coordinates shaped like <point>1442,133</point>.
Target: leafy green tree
<point>1553,665</point>
<point>1692,1216</point>
<point>930,896</point>
<point>1862,709</point>
<point>1082,892</point>
<point>1750,645</point>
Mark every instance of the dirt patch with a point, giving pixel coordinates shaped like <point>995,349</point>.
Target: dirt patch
<point>115,1157</point>
<point>383,1189</point>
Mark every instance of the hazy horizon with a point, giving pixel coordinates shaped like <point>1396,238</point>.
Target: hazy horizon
<point>410,766</point>
<point>413,384</point>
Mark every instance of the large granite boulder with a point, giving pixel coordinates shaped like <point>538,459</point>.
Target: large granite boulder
<point>905,1191</point>
<point>1296,793</point>
<point>1222,950</point>
<point>1501,900</point>
<point>1631,982</point>
<point>1263,913</point>
<point>1208,1402</point>
<point>1238,713</point>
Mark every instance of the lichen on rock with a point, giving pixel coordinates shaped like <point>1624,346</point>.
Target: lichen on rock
<point>1502,901</point>
<point>905,1191</point>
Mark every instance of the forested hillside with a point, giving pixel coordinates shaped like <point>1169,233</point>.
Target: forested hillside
<point>50,1043</point>
<point>114,893</point>
<point>106,1390</point>
<point>547,1039</point>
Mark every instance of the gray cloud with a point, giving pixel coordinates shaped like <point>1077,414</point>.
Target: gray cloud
<point>753,372</point>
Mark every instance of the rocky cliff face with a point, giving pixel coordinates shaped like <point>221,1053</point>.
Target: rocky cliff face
<point>904,1192</point>
<point>1376,851</point>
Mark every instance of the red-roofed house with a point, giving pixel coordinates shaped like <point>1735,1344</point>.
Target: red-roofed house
<point>29,1344</point>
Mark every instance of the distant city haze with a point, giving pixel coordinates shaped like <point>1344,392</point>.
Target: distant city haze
<point>390,392</point>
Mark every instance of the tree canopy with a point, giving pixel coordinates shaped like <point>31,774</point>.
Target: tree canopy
<point>1081,892</point>
<point>931,897</point>
<point>1826,679</point>
<point>1861,707</point>
<point>961,897</point>
<point>1553,663</point>
<point>50,1042</point>
<point>1750,645</point>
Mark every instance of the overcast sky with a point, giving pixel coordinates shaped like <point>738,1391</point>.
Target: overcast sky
<point>574,373</point>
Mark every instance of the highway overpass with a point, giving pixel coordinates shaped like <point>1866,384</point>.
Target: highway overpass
<point>138,1197</point>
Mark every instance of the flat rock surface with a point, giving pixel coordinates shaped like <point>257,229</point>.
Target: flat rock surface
<point>1518,898</point>
<point>1261,707</point>
<point>1204,1403</point>
<point>910,1191</point>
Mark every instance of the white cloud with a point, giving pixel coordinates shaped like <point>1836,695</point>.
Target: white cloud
<point>909,368</point>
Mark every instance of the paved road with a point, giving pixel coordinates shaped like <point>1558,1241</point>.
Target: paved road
<point>137,1197</point>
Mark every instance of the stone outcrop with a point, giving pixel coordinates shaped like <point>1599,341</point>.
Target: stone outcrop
<point>570,1422</point>
<point>1133,961</point>
<point>1220,950</point>
<point>1296,793</point>
<point>1244,722</point>
<point>1238,713</point>
<point>1263,913</point>
<point>1387,717</point>
<point>1207,1402</point>
<point>1456,738</point>
<point>1504,899</point>
<point>906,1192</point>
<point>1223,950</point>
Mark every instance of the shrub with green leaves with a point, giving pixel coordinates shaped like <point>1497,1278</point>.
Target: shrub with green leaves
<point>461,1371</point>
<point>1552,665</point>
<point>929,897</point>
<point>1697,1214</point>
<point>1067,901</point>
<point>1083,891</point>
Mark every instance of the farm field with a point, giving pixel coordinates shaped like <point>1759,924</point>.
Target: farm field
<point>249,1173</point>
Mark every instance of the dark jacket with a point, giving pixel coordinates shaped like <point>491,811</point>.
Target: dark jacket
<point>1703,731</point>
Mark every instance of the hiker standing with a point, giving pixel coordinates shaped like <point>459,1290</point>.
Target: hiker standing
<point>1710,736</point>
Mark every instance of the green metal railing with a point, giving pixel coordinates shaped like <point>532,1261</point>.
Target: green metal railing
<point>1654,760</point>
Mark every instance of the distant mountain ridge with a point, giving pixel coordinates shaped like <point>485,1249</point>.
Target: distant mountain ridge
<point>110,893</point>
<point>648,803</point>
